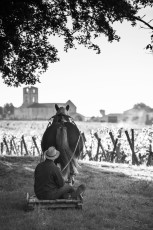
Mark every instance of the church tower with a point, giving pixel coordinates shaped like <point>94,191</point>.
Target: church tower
<point>30,96</point>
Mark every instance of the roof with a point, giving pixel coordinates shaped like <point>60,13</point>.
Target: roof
<point>30,87</point>
<point>77,114</point>
<point>45,105</point>
<point>114,114</point>
<point>69,102</point>
<point>41,105</point>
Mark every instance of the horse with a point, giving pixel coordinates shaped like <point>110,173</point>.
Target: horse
<point>64,135</point>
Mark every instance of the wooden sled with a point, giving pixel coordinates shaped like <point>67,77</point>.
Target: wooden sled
<point>33,202</point>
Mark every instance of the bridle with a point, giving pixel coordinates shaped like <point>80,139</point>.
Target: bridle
<point>57,117</point>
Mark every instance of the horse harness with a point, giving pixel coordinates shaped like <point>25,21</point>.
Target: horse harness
<point>58,118</point>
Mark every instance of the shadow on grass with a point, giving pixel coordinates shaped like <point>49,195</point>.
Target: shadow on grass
<point>117,197</point>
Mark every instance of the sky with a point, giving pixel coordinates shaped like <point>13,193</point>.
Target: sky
<point>115,80</point>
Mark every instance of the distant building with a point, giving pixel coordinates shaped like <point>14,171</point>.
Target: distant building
<point>31,109</point>
<point>134,115</point>
<point>140,116</point>
<point>149,118</point>
<point>30,96</point>
<point>112,118</point>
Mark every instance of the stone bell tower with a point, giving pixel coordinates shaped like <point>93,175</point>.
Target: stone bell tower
<point>30,96</point>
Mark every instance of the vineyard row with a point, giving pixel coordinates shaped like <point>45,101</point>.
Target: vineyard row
<point>120,147</point>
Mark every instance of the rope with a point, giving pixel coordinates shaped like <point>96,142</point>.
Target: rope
<point>73,153</point>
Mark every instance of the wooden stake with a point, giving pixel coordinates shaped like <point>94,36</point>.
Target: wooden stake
<point>100,145</point>
<point>2,146</point>
<point>24,144</point>
<point>11,147</point>
<point>115,145</point>
<point>150,155</point>
<point>21,147</point>
<point>35,143</point>
<point>131,143</point>
<point>112,137</point>
<point>14,145</point>
<point>7,148</point>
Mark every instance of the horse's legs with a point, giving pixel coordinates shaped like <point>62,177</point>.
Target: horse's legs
<point>70,180</point>
<point>71,176</point>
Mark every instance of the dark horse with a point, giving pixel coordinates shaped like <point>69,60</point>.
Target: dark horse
<point>64,135</point>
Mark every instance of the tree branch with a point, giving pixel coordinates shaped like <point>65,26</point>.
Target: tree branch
<point>141,20</point>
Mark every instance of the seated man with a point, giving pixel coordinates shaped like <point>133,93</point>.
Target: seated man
<point>49,183</point>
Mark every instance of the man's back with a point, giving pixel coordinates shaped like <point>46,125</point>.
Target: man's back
<point>47,178</point>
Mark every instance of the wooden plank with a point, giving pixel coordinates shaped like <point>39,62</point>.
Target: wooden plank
<point>54,206</point>
<point>33,202</point>
<point>57,205</point>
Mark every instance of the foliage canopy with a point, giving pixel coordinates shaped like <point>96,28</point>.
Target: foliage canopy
<point>25,26</point>
<point>142,106</point>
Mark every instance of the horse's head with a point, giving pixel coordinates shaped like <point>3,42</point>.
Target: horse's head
<point>62,110</point>
<point>61,113</point>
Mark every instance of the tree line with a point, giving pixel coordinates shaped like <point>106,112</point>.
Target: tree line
<point>8,109</point>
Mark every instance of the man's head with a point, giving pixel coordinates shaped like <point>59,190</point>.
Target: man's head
<point>51,153</point>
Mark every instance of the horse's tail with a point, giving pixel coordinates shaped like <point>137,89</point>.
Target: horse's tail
<point>67,159</point>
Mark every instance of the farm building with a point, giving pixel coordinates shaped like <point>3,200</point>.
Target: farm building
<point>138,116</point>
<point>31,109</point>
<point>112,118</point>
<point>134,115</point>
<point>149,118</point>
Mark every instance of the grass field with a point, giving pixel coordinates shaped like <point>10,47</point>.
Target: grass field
<point>117,197</point>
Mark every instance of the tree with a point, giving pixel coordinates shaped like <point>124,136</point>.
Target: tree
<point>25,26</point>
<point>142,106</point>
<point>8,109</point>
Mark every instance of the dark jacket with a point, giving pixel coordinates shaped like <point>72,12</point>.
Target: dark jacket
<point>48,178</point>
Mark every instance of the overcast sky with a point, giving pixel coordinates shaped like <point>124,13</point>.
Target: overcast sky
<point>115,80</point>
